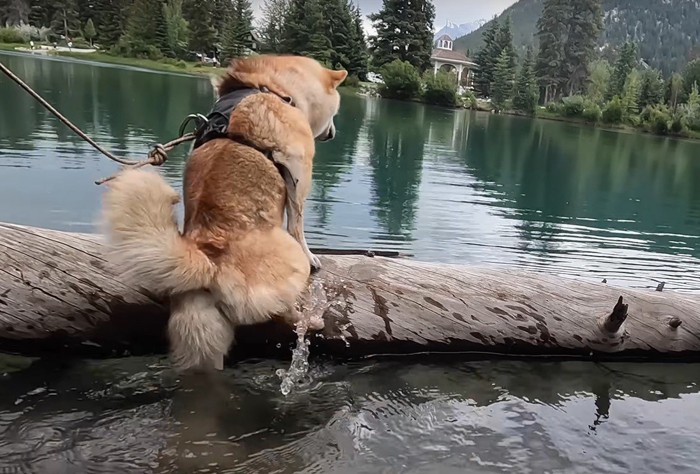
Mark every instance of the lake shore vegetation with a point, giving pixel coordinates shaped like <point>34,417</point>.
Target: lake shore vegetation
<point>565,77</point>
<point>191,36</point>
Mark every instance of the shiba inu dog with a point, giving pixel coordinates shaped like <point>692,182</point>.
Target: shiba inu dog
<point>233,263</point>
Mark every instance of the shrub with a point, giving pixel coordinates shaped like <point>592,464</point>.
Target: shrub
<point>573,106</point>
<point>440,88</point>
<point>181,64</point>
<point>592,113</point>
<point>135,48</point>
<point>692,116</point>
<point>351,81</point>
<point>80,43</point>
<point>401,80</point>
<point>691,110</point>
<point>469,100</point>
<point>677,121</point>
<point>613,111</point>
<point>658,117</point>
<point>554,107</point>
<point>11,35</point>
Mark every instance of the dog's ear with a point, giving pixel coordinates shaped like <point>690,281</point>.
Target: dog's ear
<point>337,77</point>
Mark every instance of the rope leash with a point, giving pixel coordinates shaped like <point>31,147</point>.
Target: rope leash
<point>156,156</point>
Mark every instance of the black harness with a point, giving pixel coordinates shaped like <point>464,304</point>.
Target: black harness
<point>215,124</point>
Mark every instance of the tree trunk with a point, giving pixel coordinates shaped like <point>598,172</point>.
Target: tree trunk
<point>58,295</point>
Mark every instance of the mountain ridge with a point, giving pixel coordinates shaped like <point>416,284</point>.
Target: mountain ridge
<point>454,30</point>
<point>667,32</point>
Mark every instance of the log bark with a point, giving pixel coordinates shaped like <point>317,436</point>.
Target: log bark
<point>58,295</point>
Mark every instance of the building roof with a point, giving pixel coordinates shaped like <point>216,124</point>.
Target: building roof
<point>444,38</point>
<point>447,55</point>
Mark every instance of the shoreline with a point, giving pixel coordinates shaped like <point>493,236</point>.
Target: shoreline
<point>164,65</point>
<point>197,70</point>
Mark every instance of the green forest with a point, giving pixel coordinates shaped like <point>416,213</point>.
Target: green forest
<point>667,33</point>
<point>571,76</point>
<point>327,30</point>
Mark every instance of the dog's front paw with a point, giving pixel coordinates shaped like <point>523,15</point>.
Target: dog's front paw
<point>315,263</point>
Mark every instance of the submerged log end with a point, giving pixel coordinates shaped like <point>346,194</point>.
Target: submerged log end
<point>613,322</point>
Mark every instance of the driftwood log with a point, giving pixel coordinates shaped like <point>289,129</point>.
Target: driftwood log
<point>57,295</point>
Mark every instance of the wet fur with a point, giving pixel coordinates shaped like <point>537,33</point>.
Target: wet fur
<point>234,263</point>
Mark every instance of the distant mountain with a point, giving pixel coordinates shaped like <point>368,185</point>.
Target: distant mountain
<point>454,30</point>
<point>667,32</point>
<point>523,14</point>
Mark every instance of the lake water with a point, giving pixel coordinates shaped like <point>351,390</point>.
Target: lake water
<point>443,185</point>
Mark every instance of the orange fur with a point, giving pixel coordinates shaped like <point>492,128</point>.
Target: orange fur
<point>233,263</point>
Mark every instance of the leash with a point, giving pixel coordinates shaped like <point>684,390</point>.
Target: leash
<point>156,156</point>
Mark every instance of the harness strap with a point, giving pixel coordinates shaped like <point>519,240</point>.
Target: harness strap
<point>215,125</point>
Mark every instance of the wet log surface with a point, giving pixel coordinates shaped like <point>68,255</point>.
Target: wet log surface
<point>57,295</point>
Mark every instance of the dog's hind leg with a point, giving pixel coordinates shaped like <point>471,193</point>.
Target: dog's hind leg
<point>200,336</point>
<point>298,182</point>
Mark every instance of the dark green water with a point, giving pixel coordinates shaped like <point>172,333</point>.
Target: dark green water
<point>449,186</point>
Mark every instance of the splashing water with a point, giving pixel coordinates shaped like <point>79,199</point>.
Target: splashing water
<point>300,361</point>
<point>316,304</point>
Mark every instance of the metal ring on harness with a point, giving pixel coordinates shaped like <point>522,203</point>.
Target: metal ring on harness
<point>200,123</point>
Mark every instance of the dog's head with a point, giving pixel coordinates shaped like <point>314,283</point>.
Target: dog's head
<point>311,87</point>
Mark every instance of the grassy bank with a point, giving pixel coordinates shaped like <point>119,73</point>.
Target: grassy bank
<point>11,46</point>
<point>547,115</point>
<point>165,65</point>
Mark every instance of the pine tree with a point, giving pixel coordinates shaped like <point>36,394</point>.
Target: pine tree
<point>691,75</point>
<point>404,32</point>
<point>584,23</point>
<point>420,46</point>
<point>161,39</point>
<point>272,29</point>
<point>652,88</point>
<point>503,81</point>
<point>143,38</point>
<point>526,90</point>
<point>237,30</point>
<point>177,29</point>
<point>89,31</point>
<point>486,59</point>
<point>65,19</point>
<point>110,21</point>
<point>551,31</point>
<point>357,65</point>
<point>40,14</point>
<point>305,30</point>
<point>623,67</point>
<point>504,41</point>
<point>221,10</point>
<point>199,15</point>
<point>86,10</point>
<point>339,24</point>
<point>631,92</point>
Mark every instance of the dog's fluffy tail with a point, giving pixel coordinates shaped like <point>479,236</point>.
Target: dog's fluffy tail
<point>145,244</point>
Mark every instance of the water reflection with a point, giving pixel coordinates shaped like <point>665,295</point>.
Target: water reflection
<point>134,416</point>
